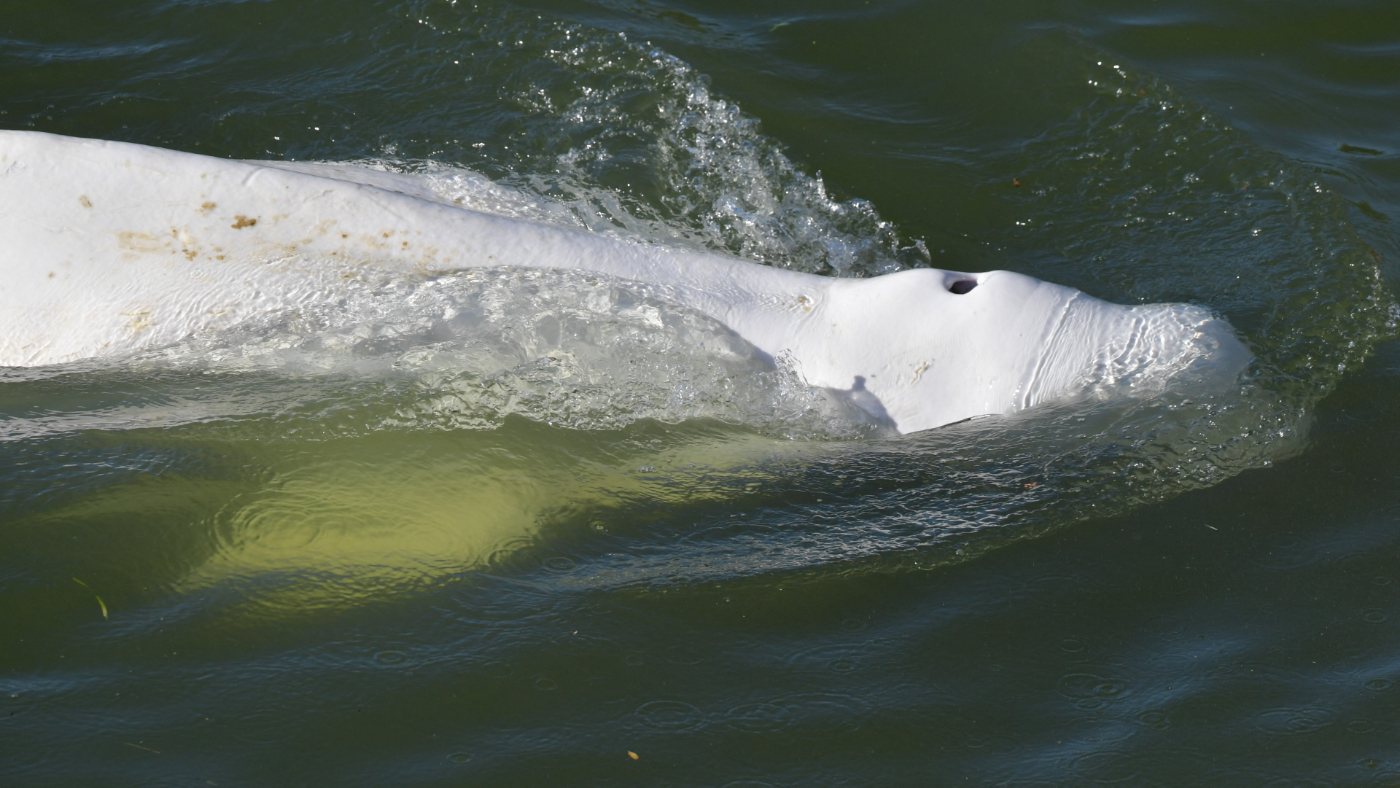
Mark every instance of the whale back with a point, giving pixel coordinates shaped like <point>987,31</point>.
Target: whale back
<point>112,247</point>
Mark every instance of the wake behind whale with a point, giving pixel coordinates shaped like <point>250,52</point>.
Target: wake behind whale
<point>112,248</point>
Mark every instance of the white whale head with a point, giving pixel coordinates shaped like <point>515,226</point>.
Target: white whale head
<point>947,346</point>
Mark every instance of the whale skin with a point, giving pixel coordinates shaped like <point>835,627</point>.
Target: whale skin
<point>108,247</point>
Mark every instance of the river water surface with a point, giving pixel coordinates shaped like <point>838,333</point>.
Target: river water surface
<point>524,528</point>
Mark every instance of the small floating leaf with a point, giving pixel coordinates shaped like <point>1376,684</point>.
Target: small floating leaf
<point>634,756</point>
<point>100,603</point>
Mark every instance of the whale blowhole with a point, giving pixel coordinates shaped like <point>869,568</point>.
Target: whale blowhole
<point>962,286</point>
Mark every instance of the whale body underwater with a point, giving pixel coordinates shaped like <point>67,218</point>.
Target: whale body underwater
<point>107,248</point>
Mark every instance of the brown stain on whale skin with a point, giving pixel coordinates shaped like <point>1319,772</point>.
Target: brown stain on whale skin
<point>207,207</point>
<point>141,242</point>
<point>188,245</point>
<point>240,221</point>
<point>140,320</point>
<point>84,201</point>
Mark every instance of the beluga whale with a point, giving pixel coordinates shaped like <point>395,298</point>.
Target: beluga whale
<point>107,248</point>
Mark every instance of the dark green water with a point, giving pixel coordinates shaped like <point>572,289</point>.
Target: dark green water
<point>343,551</point>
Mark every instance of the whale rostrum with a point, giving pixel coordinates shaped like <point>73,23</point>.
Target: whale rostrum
<point>110,247</point>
